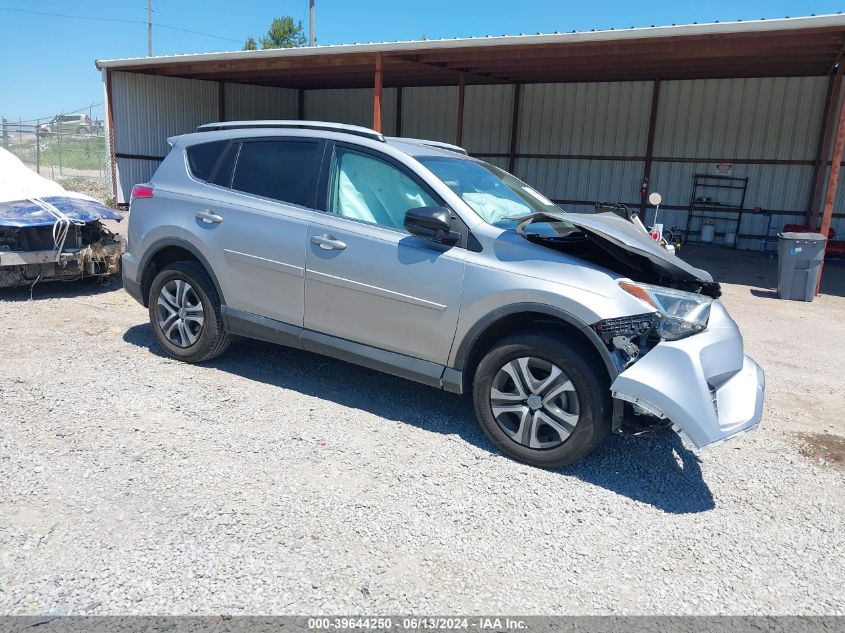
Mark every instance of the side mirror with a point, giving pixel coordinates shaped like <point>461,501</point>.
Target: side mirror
<point>433,223</point>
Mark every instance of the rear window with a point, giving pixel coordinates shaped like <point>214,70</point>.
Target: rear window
<point>279,169</point>
<point>203,157</point>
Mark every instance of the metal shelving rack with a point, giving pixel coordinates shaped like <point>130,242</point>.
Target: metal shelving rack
<point>699,209</point>
<point>769,244</point>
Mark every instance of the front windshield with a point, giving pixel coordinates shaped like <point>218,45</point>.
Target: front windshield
<point>494,194</point>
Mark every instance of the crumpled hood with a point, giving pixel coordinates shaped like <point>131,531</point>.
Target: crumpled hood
<point>613,232</point>
<point>28,199</point>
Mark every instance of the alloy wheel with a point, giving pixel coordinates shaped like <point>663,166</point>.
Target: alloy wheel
<point>534,402</point>
<point>180,313</point>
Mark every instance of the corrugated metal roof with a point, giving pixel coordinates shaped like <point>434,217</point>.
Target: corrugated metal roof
<point>685,30</point>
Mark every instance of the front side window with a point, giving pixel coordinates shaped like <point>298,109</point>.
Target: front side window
<point>494,194</point>
<point>279,169</point>
<point>365,188</point>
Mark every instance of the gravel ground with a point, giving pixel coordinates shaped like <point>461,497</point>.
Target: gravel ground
<point>276,481</point>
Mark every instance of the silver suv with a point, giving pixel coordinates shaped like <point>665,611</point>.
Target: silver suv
<point>68,124</point>
<point>412,258</point>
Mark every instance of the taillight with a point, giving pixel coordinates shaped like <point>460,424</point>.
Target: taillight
<point>141,191</point>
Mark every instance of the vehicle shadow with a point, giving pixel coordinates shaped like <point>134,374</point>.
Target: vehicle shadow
<point>89,286</point>
<point>656,470</point>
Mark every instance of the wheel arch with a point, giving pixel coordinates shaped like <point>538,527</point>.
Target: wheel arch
<point>166,251</point>
<point>520,316</point>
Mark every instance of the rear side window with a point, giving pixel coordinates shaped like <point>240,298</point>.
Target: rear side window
<point>203,157</point>
<point>279,169</point>
<point>223,175</point>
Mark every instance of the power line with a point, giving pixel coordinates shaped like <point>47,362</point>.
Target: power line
<point>177,28</point>
<point>64,111</point>
<point>120,20</point>
<point>72,17</point>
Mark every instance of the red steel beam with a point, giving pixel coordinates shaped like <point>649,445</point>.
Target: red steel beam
<point>672,46</point>
<point>649,149</point>
<point>377,95</point>
<point>399,111</point>
<point>459,123</point>
<point>833,181</point>
<point>517,90</point>
<point>820,166</point>
<point>221,101</point>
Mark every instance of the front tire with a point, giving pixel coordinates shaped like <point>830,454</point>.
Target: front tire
<point>542,400</point>
<point>186,314</point>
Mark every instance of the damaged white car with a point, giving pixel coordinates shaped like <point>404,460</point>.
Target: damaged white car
<point>48,233</point>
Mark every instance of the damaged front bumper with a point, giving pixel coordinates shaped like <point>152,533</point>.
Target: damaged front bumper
<point>21,268</point>
<point>704,384</point>
<point>47,233</point>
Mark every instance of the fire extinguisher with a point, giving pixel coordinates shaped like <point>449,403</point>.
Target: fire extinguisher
<point>644,192</point>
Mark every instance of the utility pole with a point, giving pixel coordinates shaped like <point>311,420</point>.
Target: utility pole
<point>312,40</point>
<point>149,28</point>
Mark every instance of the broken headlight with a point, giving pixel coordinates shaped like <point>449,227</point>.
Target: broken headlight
<point>681,313</point>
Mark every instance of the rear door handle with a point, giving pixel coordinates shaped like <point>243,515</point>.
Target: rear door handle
<point>328,242</point>
<point>208,217</point>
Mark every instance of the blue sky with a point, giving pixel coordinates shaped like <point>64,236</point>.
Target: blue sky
<point>48,61</point>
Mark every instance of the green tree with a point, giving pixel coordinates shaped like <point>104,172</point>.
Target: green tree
<point>284,33</point>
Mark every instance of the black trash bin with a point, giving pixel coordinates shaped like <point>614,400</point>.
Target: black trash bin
<point>800,257</point>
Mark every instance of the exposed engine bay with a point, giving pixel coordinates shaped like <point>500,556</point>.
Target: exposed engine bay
<point>28,254</point>
<point>615,243</point>
<point>620,243</point>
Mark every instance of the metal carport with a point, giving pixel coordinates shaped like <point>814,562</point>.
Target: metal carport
<point>582,116</point>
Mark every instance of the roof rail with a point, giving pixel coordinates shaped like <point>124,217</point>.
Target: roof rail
<point>325,126</point>
<point>437,144</point>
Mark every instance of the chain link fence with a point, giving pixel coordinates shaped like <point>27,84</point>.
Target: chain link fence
<point>75,156</point>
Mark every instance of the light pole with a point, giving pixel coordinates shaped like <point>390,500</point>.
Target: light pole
<point>311,36</point>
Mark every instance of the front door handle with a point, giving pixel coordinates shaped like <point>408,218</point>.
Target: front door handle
<point>208,217</point>
<point>328,242</point>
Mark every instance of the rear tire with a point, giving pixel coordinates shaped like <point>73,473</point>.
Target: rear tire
<point>185,313</point>
<point>542,400</point>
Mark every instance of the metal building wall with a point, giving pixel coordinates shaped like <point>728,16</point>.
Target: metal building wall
<point>146,110</point>
<point>592,137</point>
<point>488,114</point>
<point>353,106</point>
<point>246,103</point>
<point>578,143</point>
<point>430,113</point>
<point>768,129</point>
